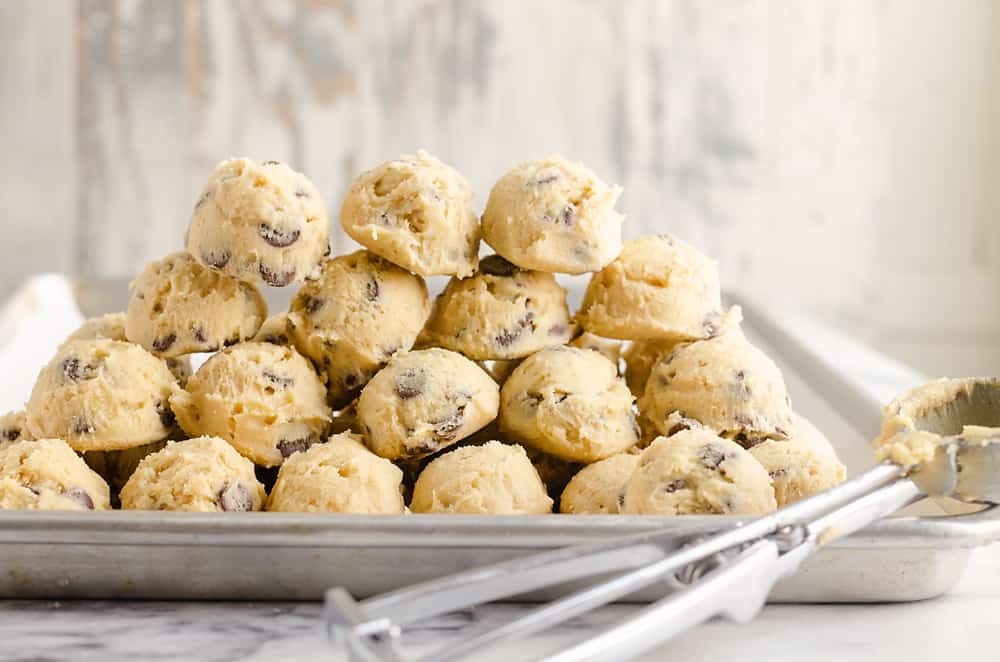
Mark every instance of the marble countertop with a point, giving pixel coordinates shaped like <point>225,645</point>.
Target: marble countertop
<point>957,626</point>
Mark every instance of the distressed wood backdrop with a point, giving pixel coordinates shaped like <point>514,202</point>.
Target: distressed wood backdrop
<point>837,155</point>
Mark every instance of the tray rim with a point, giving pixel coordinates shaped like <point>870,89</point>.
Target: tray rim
<point>264,529</point>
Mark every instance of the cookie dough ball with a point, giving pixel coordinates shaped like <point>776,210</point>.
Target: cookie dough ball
<point>658,288</point>
<point>47,475</point>
<point>609,349</point>
<point>112,327</point>
<point>260,222</point>
<point>570,403</point>
<point>339,476</point>
<point>696,472</point>
<point>424,401</point>
<point>640,356</point>
<point>115,467</point>
<point>204,475</point>
<point>417,212</point>
<point>102,395</point>
<point>355,316</point>
<point>599,488</point>
<point>13,428</point>
<point>726,384</point>
<point>502,312</point>
<point>492,479</point>
<point>180,307</point>
<point>264,399</point>
<point>278,330</point>
<point>802,465</point>
<point>554,215</point>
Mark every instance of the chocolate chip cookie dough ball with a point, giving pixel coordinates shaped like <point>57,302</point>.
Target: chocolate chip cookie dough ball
<point>260,222</point>
<point>554,215</point>
<point>358,313</point>
<point>492,479</point>
<point>115,467</point>
<point>203,475</point>
<point>13,428</point>
<point>338,476</point>
<point>425,401</point>
<point>112,327</point>
<point>180,307</point>
<point>47,475</point>
<point>802,465</point>
<point>102,395</point>
<point>264,399</point>
<point>599,488</point>
<point>696,472</point>
<point>417,212</point>
<point>724,383</point>
<point>570,403</point>
<point>502,312</point>
<point>658,288</point>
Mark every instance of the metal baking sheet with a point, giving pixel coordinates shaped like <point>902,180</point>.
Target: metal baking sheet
<point>279,556</point>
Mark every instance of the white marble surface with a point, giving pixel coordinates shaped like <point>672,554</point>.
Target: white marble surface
<point>958,626</point>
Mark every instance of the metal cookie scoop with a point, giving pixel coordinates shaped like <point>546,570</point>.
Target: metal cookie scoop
<point>942,439</point>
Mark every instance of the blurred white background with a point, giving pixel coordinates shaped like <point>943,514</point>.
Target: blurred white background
<point>841,156</point>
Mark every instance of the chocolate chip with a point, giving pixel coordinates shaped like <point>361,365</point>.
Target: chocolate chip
<point>372,289</point>
<point>424,447</point>
<point>276,237</point>
<point>199,334</point>
<point>546,178</point>
<point>275,278</point>
<point>778,473</point>
<point>748,441</point>
<point>568,215</point>
<point>80,496</point>
<point>235,498</point>
<point>712,326</point>
<point>277,380</point>
<point>229,342</point>
<point>216,259</point>
<point>75,371</point>
<point>741,375</point>
<point>560,398</point>
<point>411,383</point>
<point>10,434</point>
<point>674,485</point>
<point>621,500</point>
<point>166,415</point>
<point>711,456</point>
<point>270,163</point>
<point>495,265</point>
<point>310,304</point>
<point>681,425</point>
<point>288,447</point>
<point>507,337</point>
<point>163,343</point>
<point>80,426</point>
<point>446,428</point>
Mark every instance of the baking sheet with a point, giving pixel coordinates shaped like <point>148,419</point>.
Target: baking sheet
<point>244,556</point>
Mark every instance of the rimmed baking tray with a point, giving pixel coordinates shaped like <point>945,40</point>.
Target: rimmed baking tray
<point>279,556</point>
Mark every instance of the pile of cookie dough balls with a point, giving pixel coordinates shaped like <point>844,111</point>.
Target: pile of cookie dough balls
<point>368,396</point>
